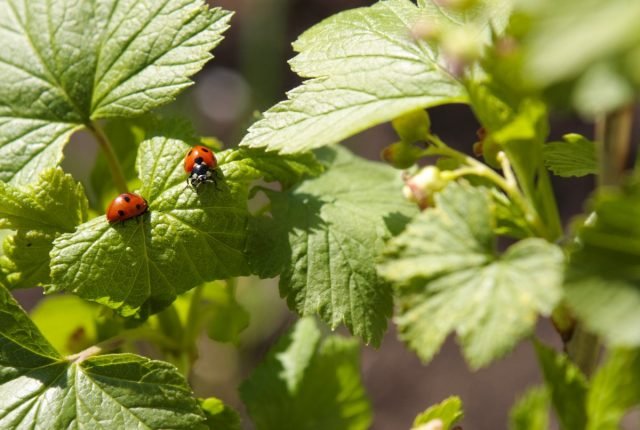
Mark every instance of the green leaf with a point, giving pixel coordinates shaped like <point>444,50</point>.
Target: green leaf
<point>22,347</point>
<point>65,66</point>
<point>449,412</point>
<point>574,156</point>
<point>25,262</point>
<point>531,411</point>
<point>53,204</point>
<point>365,68</point>
<point>38,388</point>
<point>614,390</point>
<point>185,239</point>
<point>67,322</point>
<point>39,212</point>
<point>246,164</point>
<point>449,277</point>
<point>219,416</point>
<point>308,383</point>
<point>335,226</point>
<point>602,282</point>
<point>567,385</point>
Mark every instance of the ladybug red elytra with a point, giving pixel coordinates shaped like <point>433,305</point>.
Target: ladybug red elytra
<point>126,206</point>
<point>200,163</point>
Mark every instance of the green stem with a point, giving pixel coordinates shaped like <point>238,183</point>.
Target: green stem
<point>193,318</point>
<point>507,183</point>
<point>119,340</point>
<point>613,138</point>
<point>112,160</point>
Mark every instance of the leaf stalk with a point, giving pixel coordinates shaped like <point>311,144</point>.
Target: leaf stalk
<point>112,160</point>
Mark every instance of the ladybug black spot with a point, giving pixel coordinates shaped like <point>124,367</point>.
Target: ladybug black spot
<point>127,199</point>
<point>121,212</point>
<point>138,206</point>
<point>205,150</point>
<point>190,152</point>
<point>198,160</point>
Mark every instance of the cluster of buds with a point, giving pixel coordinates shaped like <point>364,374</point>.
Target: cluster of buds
<point>421,187</point>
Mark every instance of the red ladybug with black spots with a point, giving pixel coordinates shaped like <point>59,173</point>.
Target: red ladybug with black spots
<point>126,206</point>
<point>200,164</point>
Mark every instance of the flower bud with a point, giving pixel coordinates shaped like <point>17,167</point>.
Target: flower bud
<point>426,29</point>
<point>401,155</point>
<point>421,187</point>
<point>462,47</point>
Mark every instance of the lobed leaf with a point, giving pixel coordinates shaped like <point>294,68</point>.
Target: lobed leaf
<point>448,277</point>
<point>614,390</point>
<point>567,387</point>
<point>185,239</point>
<point>449,412</point>
<point>334,226</point>
<point>531,411</point>
<point>308,383</point>
<point>39,212</point>
<point>64,66</point>
<point>246,164</point>
<point>365,67</point>
<point>40,388</point>
<point>574,156</point>
<point>602,283</point>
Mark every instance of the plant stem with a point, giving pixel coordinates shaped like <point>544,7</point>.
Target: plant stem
<point>115,342</point>
<point>112,159</point>
<point>507,183</point>
<point>613,137</point>
<point>193,318</point>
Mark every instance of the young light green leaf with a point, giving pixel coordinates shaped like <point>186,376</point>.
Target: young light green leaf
<point>65,66</point>
<point>366,68</point>
<point>335,225</point>
<point>55,203</point>
<point>449,411</point>
<point>574,156</point>
<point>185,239</point>
<point>328,391</point>
<point>602,282</point>
<point>39,388</point>
<point>449,278</point>
<point>567,385</point>
<point>246,164</point>
<point>531,411</point>
<point>40,212</point>
<point>614,390</point>
<point>219,416</point>
<point>25,262</point>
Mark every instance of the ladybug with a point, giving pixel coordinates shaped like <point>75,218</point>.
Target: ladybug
<point>200,164</point>
<point>126,206</point>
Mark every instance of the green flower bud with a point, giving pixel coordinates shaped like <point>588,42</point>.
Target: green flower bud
<point>401,155</point>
